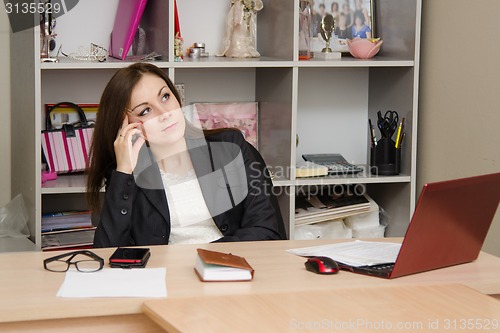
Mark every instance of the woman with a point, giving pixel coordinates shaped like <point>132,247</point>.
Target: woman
<point>359,28</point>
<point>316,19</point>
<point>166,181</point>
<point>342,31</point>
<point>359,8</point>
<point>335,10</point>
<point>346,9</point>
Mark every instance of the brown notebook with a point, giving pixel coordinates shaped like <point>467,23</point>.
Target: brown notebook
<point>219,266</point>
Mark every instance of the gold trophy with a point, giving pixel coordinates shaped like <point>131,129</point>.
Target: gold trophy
<point>326,29</point>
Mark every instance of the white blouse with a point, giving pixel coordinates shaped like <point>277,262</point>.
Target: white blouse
<point>190,220</point>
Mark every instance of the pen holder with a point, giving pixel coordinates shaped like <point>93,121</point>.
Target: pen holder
<point>385,158</point>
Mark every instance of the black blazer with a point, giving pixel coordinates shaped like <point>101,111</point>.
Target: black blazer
<point>234,186</point>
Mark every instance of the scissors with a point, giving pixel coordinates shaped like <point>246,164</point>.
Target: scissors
<point>388,123</point>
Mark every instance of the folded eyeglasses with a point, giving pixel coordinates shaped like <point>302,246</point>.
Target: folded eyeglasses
<point>84,261</point>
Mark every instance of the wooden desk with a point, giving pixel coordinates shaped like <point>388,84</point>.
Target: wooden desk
<point>28,292</point>
<point>443,308</point>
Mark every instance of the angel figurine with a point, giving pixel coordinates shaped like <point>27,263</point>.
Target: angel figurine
<point>241,28</point>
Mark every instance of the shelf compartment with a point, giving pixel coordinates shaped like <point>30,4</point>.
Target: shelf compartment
<point>72,37</point>
<point>204,21</point>
<point>270,87</point>
<point>396,200</point>
<point>65,184</point>
<point>332,112</point>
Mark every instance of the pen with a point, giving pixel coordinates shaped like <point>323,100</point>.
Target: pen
<point>372,133</point>
<point>402,138</point>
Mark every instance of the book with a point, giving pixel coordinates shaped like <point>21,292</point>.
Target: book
<point>310,169</point>
<point>66,220</point>
<point>69,238</point>
<point>127,19</point>
<point>219,266</point>
<point>323,207</point>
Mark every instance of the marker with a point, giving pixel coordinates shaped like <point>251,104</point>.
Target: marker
<point>400,133</point>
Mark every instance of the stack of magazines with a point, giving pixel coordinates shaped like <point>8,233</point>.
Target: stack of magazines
<point>64,230</point>
<point>326,207</point>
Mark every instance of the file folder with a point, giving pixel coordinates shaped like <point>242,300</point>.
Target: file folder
<point>127,19</point>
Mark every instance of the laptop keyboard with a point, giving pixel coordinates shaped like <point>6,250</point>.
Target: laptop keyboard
<point>384,267</point>
<point>383,270</point>
<point>379,270</point>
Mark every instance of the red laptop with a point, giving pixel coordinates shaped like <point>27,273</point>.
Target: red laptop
<point>449,226</point>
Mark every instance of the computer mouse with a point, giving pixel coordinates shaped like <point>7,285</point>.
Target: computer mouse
<point>322,265</point>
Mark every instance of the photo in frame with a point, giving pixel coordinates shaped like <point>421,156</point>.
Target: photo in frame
<point>353,19</point>
<point>240,115</point>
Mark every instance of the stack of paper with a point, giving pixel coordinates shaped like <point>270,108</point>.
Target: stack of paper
<point>356,253</point>
<point>70,238</point>
<point>66,220</point>
<point>320,208</point>
<point>115,282</point>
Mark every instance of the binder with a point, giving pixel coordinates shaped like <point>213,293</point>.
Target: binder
<point>127,19</point>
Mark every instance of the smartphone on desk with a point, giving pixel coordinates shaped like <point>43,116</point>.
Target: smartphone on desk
<point>129,257</point>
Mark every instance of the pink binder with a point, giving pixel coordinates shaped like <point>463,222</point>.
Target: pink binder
<point>127,19</point>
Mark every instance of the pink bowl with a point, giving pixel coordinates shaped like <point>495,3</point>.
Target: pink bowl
<point>363,48</point>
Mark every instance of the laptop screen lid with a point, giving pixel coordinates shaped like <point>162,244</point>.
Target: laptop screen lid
<point>450,224</point>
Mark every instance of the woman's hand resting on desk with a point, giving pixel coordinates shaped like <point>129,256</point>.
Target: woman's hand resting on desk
<point>127,144</point>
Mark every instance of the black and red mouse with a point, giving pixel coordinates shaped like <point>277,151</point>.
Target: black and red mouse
<point>322,265</point>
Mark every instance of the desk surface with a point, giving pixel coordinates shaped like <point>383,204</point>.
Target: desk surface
<point>29,292</point>
<point>443,308</point>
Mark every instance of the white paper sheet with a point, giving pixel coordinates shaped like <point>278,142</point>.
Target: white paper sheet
<point>115,282</point>
<point>357,253</point>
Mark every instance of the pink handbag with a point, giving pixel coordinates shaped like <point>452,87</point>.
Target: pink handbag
<point>66,149</point>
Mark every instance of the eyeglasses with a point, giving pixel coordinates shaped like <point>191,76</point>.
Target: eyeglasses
<point>84,261</point>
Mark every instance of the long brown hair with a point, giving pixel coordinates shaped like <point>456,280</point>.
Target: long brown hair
<point>112,108</point>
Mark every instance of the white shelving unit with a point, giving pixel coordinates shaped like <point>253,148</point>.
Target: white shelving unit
<point>325,103</point>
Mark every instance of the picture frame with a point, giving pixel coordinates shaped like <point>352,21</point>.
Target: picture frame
<point>240,115</point>
<point>353,19</point>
